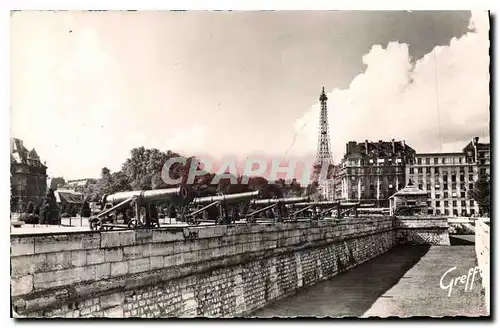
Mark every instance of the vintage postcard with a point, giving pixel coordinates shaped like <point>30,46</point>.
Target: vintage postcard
<point>250,164</point>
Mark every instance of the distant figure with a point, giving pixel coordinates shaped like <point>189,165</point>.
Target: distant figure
<point>30,208</point>
<point>85,210</point>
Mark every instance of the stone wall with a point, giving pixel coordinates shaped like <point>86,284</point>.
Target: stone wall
<point>416,230</point>
<point>219,271</point>
<point>483,256</point>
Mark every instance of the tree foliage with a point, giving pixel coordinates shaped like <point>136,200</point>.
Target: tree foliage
<point>144,170</point>
<point>481,194</point>
<point>56,182</point>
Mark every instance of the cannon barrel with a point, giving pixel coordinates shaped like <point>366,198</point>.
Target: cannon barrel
<point>327,203</point>
<point>180,194</point>
<point>271,201</point>
<point>225,198</point>
<point>322,203</point>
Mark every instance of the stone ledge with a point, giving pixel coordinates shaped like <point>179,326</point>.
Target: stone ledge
<point>46,299</point>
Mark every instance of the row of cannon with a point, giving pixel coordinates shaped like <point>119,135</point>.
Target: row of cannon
<point>138,209</point>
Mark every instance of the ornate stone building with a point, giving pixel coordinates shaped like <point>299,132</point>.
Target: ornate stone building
<point>28,176</point>
<point>371,172</point>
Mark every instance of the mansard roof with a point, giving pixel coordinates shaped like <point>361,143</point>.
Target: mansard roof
<point>33,155</point>
<point>19,154</point>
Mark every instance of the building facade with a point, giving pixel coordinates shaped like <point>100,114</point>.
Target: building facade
<point>28,176</point>
<point>448,177</point>
<point>371,172</point>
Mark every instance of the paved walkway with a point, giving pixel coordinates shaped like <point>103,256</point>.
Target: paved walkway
<point>403,282</point>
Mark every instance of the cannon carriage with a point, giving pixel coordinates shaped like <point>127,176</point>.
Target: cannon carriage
<point>220,209</point>
<point>273,209</point>
<point>136,209</point>
<point>322,209</point>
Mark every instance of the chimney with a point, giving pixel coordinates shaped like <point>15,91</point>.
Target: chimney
<point>366,146</point>
<point>403,144</point>
<point>474,144</point>
<point>393,146</point>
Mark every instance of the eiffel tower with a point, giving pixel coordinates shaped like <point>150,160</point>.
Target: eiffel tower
<point>323,153</point>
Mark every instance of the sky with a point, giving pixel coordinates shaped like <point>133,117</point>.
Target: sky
<point>87,87</point>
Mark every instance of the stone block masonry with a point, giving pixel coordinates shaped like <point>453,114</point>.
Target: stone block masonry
<point>216,271</point>
<point>483,256</point>
<point>430,230</point>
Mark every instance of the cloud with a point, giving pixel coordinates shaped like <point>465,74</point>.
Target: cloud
<point>187,140</point>
<point>437,103</point>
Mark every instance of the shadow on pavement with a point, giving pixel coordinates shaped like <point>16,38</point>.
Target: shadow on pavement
<point>350,293</point>
<point>462,240</point>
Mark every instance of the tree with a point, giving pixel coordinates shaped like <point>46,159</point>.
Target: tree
<point>481,194</point>
<point>119,182</point>
<point>104,186</point>
<point>56,182</point>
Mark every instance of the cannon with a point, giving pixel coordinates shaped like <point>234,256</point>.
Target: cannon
<point>273,208</point>
<point>137,208</point>
<point>319,210</point>
<point>226,205</point>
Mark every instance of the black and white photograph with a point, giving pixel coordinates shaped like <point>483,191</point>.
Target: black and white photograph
<point>250,164</point>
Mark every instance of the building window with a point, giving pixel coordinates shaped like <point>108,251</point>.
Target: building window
<point>446,203</point>
<point>438,212</point>
<point>472,211</point>
<point>471,186</point>
<point>462,186</point>
<point>445,186</point>
<point>454,185</point>
<point>445,194</point>
<point>428,187</point>
<point>430,211</point>
<point>435,160</point>
<point>419,170</point>
<point>411,170</point>
<point>428,170</point>
<point>453,178</point>
<point>462,194</point>
<point>438,195</point>
<point>462,203</point>
<point>455,212</point>
<point>471,177</point>
<point>446,212</point>
<point>471,203</point>
<point>419,161</point>
<point>482,162</point>
<point>454,203</point>
<point>482,171</point>
<point>427,161</point>
<point>438,203</point>
<point>443,160</point>
<point>462,178</point>
<point>420,186</point>
<point>445,178</point>
<point>460,160</point>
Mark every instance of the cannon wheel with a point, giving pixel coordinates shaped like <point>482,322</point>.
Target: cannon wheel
<point>131,224</point>
<point>193,222</point>
<point>94,224</point>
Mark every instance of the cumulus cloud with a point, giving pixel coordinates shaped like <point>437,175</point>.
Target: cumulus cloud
<point>437,103</point>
